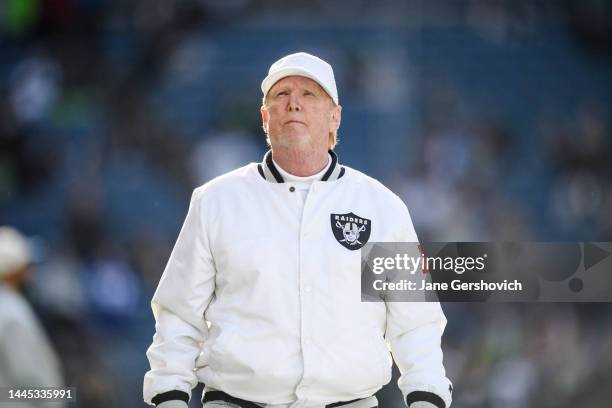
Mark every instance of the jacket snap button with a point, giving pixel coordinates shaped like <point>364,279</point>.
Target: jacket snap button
<point>292,189</point>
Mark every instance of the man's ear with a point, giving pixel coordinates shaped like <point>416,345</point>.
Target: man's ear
<point>336,117</point>
<point>264,118</point>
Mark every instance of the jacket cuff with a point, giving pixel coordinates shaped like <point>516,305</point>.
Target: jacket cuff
<point>179,396</point>
<point>173,404</point>
<point>420,404</point>
<point>425,396</point>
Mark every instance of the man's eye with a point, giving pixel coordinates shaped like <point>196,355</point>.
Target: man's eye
<point>281,93</point>
<point>308,93</point>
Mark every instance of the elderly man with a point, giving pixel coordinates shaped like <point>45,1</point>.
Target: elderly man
<point>260,299</point>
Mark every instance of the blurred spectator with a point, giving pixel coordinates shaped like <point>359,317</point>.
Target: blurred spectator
<point>220,153</point>
<point>35,88</point>
<point>27,359</point>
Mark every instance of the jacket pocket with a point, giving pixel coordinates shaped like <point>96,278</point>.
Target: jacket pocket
<point>379,346</point>
<point>355,363</point>
<point>219,348</point>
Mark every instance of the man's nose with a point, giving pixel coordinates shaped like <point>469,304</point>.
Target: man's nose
<point>294,104</point>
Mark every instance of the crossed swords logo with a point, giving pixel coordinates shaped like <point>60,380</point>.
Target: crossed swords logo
<point>351,232</point>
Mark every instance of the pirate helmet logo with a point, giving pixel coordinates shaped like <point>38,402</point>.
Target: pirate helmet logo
<point>350,230</point>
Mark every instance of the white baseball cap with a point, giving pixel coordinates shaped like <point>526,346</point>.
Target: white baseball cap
<point>306,65</point>
<point>15,251</point>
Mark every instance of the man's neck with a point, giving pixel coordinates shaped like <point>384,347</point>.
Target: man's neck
<point>300,163</point>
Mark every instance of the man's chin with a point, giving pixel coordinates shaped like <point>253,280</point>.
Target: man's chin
<point>292,141</point>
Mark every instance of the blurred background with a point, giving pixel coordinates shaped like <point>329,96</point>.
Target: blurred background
<point>491,119</point>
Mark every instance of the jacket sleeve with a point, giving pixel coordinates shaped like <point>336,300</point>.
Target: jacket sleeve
<point>183,294</point>
<point>414,331</point>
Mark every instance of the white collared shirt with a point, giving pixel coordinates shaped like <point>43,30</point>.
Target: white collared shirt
<point>301,184</point>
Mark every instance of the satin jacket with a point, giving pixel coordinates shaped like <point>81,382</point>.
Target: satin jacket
<point>266,306</point>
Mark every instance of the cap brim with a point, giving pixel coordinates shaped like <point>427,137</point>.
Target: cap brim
<point>270,80</point>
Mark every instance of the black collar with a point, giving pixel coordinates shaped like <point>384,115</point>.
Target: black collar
<point>269,172</point>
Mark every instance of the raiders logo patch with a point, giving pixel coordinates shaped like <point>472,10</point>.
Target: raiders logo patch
<point>350,230</point>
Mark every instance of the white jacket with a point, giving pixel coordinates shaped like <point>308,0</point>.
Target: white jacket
<point>282,299</point>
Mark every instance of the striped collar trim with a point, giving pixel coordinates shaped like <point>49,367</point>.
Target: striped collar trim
<point>269,172</point>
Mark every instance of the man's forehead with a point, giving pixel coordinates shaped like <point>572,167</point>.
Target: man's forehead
<point>297,80</point>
